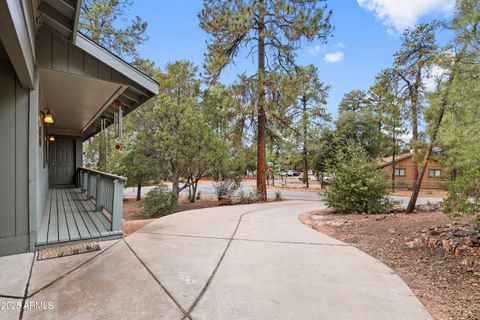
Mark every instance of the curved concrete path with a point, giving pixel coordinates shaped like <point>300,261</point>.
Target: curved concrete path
<point>238,262</point>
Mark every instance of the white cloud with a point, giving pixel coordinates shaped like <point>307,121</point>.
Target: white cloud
<point>333,57</point>
<point>434,75</point>
<point>315,50</point>
<point>401,14</point>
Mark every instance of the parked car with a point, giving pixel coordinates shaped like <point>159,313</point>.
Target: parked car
<point>293,173</point>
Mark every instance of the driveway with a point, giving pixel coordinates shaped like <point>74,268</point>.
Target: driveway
<point>207,190</point>
<point>237,262</point>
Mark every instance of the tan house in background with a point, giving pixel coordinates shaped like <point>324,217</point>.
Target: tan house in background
<point>405,174</point>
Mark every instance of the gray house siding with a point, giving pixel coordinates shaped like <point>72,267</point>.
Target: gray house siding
<point>14,130</point>
<point>56,53</point>
<point>39,167</point>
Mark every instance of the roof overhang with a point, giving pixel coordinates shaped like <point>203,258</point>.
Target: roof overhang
<point>116,63</point>
<point>75,111</point>
<point>17,36</point>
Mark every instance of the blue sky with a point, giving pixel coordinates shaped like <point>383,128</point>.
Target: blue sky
<point>365,38</point>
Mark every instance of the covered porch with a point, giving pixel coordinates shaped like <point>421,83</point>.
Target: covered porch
<point>90,211</point>
<point>83,89</point>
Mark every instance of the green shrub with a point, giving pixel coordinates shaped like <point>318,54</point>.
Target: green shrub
<point>358,186</point>
<point>226,188</point>
<point>157,202</point>
<point>278,196</point>
<point>302,178</point>
<point>248,197</point>
<point>464,196</point>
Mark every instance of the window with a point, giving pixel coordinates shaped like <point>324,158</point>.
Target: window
<point>434,173</point>
<point>400,172</point>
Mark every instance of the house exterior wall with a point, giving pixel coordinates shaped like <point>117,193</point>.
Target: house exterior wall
<point>408,180</point>
<point>14,163</point>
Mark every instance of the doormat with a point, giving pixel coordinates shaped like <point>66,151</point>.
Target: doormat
<point>68,250</point>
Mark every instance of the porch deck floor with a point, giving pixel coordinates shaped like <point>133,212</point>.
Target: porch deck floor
<point>69,216</point>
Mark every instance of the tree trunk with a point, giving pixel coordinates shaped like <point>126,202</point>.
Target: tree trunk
<point>194,191</point>
<point>415,104</point>
<point>175,188</point>
<point>438,122</point>
<point>139,191</point>
<point>262,119</point>
<point>393,159</point>
<point>305,137</point>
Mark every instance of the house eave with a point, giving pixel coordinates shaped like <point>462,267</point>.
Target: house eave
<point>116,63</point>
<point>399,158</point>
<point>15,36</point>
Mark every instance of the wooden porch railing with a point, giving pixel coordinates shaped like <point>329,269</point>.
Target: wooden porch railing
<point>106,190</point>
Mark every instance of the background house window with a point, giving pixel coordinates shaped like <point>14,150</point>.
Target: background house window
<point>433,173</point>
<point>400,172</point>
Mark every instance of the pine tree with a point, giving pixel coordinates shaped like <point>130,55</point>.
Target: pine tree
<point>465,25</point>
<point>416,56</point>
<point>275,30</point>
<point>385,100</point>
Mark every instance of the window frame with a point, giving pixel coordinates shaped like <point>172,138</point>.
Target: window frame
<point>432,173</point>
<point>397,172</point>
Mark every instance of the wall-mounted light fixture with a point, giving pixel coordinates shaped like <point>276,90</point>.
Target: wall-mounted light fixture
<point>51,139</point>
<point>48,118</point>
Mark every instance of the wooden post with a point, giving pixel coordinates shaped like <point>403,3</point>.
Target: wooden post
<point>117,211</point>
<point>87,187</point>
<point>98,201</point>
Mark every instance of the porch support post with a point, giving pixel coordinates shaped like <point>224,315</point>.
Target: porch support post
<point>89,186</point>
<point>81,181</point>
<point>98,201</point>
<point>117,211</point>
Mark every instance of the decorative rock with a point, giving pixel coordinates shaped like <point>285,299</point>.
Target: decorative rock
<point>433,242</point>
<point>398,210</point>
<point>225,201</point>
<point>461,250</point>
<point>446,244</point>
<point>463,233</point>
<point>414,243</point>
<point>340,223</point>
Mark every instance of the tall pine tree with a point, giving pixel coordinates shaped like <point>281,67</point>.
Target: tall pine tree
<point>274,29</point>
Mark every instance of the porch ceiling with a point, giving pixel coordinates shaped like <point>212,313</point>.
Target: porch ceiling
<point>75,101</point>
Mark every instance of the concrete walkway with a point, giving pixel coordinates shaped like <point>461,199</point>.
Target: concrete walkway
<point>238,262</point>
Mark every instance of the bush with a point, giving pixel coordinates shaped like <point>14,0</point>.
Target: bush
<point>358,186</point>
<point>302,178</point>
<point>248,197</point>
<point>464,196</point>
<point>278,196</point>
<point>157,202</point>
<point>226,188</point>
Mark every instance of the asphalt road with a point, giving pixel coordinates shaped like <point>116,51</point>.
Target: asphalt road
<point>206,190</point>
